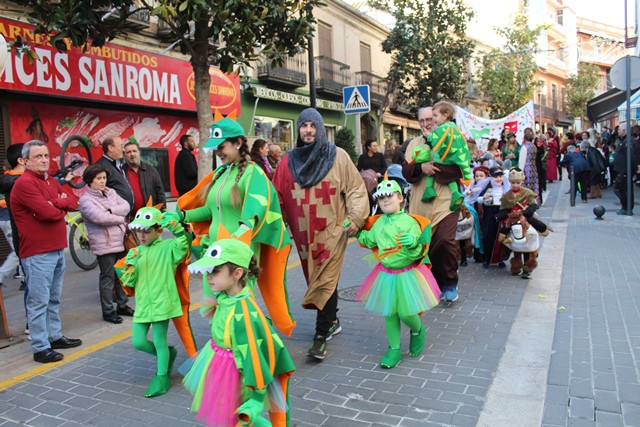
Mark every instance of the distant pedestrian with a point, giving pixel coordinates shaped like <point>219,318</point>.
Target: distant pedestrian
<point>143,178</point>
<point>39,205</point>
<point>401,286</point>
<point>554,171</point>
<point>113,161</point>
<point>275,153</point>
<point>620,166</point>
<point>581,170</point>
<point>259,152</point>
<point>185,170</point>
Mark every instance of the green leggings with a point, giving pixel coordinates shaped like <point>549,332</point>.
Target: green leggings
<point>392,324</point>
<point>158,347</point>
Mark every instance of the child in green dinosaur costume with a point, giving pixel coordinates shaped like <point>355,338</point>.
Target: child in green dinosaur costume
<point>150,269</point>
<point>245,365</point>
<point>445,145</point>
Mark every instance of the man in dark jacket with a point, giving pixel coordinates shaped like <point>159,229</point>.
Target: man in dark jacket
<point>143,178</point>
<point>111,160</point>
<point>14,157</point>
<point>620,166</point>
<point>185,171</point>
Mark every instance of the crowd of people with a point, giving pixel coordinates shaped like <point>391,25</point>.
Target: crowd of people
<point>234,230</point>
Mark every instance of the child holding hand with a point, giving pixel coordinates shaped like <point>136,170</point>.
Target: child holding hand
<point>401,285</point>
<point>245,364</point>
<point>150,269</point>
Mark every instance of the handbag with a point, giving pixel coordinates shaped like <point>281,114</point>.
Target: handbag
<point>130,240</point>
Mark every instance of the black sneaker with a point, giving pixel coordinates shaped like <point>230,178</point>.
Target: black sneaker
<point>318,349</point>
<point>335,329</point>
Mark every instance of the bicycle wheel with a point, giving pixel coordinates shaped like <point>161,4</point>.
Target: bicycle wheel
<point>75,155</point>
<point>79,246</point>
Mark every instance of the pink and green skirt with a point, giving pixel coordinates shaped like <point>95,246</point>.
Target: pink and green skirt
<point>406,291</point>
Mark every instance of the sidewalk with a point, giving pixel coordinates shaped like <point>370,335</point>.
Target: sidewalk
<point>559,349</point>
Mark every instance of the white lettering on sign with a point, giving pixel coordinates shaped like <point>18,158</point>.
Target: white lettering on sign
<point>294,98</point>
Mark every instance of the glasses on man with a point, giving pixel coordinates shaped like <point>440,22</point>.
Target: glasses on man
<point>430,119</point>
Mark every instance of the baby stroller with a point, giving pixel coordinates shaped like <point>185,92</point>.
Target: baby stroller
<point>394,172</point>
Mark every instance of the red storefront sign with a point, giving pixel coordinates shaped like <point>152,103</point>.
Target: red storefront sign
<point>111,73</point>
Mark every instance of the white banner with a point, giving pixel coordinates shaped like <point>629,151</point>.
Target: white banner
<point>482,129</point>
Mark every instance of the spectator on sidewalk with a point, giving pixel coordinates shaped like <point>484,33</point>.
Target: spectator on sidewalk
<point>104,214</point>
<point>112,160</point>
<point>620,166</point>
<point>39,206</point>
<point>259,152</point>
<point>185,169</point>
<point>275,153</point>
<point>143,178</point>
<point>319,187</point>
<point>581,169</point>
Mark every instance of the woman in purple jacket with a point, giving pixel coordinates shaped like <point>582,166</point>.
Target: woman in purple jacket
<point>104,214</point>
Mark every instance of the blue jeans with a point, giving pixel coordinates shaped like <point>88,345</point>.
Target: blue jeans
<point>44,273</point>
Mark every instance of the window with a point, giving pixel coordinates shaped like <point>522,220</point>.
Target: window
<point>159,159</point>
<point>274,130</point>
<point>365,57</point>
<point>554,96</point>
<point>325,43</point>
<point>559,17</point>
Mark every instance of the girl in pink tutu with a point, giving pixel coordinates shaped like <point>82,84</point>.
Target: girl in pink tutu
<point>245,368</point>
<point>401,285</point>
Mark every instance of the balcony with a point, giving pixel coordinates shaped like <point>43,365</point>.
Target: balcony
<point>331,76</point>
<point>164,31</point>
<point>138,20</point>
<point>377,86</point>
<point>291,74</point>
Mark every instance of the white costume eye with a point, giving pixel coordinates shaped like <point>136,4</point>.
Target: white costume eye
<point>388,184</point>
<point>379,187</point>
<point>148,216</point>
<point>216,133</point>
<point>138,215</point>
<point>214,251</point>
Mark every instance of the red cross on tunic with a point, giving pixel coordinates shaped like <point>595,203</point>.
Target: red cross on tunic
<point>325,191</point>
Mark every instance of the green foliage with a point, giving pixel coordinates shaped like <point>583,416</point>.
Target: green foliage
<point>580,89</point>
<point>346,140</point>
<point>506,75</point>
<point>429,48</point>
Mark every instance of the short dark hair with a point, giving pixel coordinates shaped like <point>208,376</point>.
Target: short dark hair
<point>570,135</point>
<point>14,152</point>
<point>368,143</point>
<point>183,139</point>
<point>108,142</point>
<point>257,145</point>
<point>92,171</point>
<point>131,142</point>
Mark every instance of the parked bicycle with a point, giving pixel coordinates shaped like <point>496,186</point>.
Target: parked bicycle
<point>75,154</point>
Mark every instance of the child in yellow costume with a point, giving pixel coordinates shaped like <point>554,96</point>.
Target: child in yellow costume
<point>447,146</point>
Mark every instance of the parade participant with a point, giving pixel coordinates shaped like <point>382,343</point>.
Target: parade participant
<point>150,269</point>
<point>445,146</point>
<point>245,363</point>
<point>490,198</point>
<point>443,248</point>
<point>319,187</point>
<point>401,286</point>
<point>239,196</point>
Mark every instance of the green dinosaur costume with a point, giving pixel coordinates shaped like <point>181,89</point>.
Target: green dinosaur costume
<point>449,148</point>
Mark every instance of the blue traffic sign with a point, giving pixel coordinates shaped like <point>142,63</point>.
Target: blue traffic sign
<point>356,99</point>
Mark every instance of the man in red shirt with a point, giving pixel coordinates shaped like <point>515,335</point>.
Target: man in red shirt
<point>39,205</point>
<point>143,179</point>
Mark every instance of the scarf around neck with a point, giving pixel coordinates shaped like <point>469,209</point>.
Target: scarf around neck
<point>309,163</point>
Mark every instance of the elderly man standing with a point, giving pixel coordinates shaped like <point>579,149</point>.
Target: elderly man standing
<point>112,161</point>
<point>319,188</point>
<point>143,178</point>
<point>442,250</point>
<point>275,152</point>
<point>39,205</point>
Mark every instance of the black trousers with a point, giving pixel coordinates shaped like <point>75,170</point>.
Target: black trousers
<point>582,178</point>
<point>328,315</point>
<point>620,190</point>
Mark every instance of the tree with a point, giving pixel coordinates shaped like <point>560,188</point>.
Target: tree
<point>429,49</point>
<point>506,75</point>
<point>346,140</point>
<point>581,88</point>
<point>229,34</point>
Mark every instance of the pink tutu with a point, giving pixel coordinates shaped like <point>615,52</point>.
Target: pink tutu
<point>407,291</point>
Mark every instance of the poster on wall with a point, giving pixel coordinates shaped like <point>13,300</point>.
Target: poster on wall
<point>482,129</point>
<point>53,124</point>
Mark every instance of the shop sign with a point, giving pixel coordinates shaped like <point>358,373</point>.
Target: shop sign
<point>111,73</point>
<point>294,98</point>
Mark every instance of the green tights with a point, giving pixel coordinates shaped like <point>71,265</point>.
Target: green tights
<point>392,324</point>
<point>158,347</point>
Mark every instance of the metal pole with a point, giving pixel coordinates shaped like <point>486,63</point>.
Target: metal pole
<point>630,139</point>
<point>358,135</point>
<point>312,74</point>
<point>572,187</point>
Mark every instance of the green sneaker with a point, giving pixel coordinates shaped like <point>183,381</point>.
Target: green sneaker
<point>429,194</point>
<point>416,342</point>
<point>158,386</point>
<point>456,200</point>
<point>391,358</point>
<point>318,349</point>
<point>335,329</point>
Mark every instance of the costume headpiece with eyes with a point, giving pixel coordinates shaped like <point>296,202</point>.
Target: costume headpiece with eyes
<point>221,130</point>
<point>387,188</point>
<point>146,217</point>
<point>221,252</point>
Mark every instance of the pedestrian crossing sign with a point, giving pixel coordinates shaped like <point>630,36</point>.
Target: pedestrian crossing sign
<point>356,99</point>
